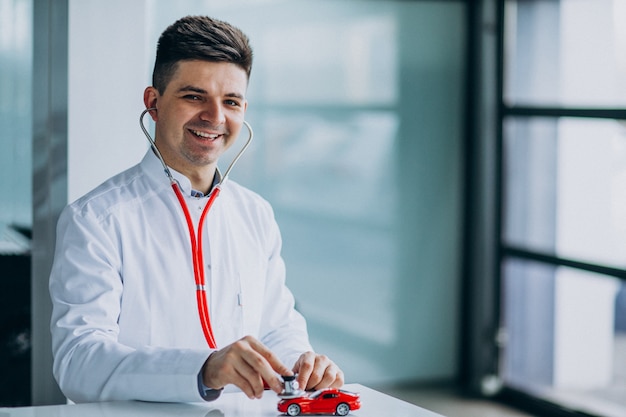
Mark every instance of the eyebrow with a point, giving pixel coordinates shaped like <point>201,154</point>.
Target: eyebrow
<point>191,88</point>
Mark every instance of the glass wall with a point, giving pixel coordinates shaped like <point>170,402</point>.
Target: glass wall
<point>564,203</point>
<point>16,40</point>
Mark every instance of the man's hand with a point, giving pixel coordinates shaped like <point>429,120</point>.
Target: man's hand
<point>246,364</point>
<point>317,372</point>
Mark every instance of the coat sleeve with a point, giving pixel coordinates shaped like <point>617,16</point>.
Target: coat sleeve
<point>86,288</point>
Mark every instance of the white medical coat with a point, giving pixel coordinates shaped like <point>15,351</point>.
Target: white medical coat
<point>125,321</point>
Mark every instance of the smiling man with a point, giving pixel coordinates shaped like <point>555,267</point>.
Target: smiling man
<point>125,321</point>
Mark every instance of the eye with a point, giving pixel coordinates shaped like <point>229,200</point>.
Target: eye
<point>232,103</point>
<point>192,97</point>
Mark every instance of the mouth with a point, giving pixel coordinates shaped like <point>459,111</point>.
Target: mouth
<point>205,135</point>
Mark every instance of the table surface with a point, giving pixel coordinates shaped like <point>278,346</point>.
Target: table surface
<point>373,404</point>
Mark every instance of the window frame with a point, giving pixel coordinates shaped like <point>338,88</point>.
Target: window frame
<point>483,268</point>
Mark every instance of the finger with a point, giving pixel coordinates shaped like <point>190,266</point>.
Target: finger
<point>244,385</point>
<point>267,364</point>
<point>252,378</point>
<point>304,367</point>
<point>317,373</point>
<point>257,370</point>
<point>271,358</point>
<point>232,365</point>
<point>339,380</point>
<point>263,376</point>
<point>324,373</point>
<point>332,378</point>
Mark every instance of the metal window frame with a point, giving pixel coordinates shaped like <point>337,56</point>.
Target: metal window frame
<point>50,95</point>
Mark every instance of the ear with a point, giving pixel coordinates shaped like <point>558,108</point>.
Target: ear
<point>150,96</point>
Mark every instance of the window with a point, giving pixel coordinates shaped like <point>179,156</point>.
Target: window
<point>562,248</point>
<point>16,72</point>
<point>15,117</point>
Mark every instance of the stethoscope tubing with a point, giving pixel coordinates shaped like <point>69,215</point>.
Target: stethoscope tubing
<point>196,239</point>
<point>198,262</point>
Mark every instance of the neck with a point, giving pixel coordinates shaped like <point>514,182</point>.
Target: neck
<point>202,182</point>
<point>200,175</point>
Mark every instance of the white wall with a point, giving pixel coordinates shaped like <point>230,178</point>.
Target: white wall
<point>109,65</point>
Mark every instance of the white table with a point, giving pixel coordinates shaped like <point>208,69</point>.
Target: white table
<point>373,404</point>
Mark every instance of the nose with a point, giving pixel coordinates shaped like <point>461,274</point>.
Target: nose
<point>213,113</point>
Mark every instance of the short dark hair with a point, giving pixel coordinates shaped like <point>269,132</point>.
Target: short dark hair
<point>199,38</point>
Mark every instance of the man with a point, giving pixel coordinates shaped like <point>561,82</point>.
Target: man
<point>125,324</point>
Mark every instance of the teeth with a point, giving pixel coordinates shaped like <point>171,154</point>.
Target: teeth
<point>204,135</point>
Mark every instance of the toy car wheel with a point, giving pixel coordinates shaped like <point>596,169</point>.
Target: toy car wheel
<point>293,410</point>
<point>342,409</point>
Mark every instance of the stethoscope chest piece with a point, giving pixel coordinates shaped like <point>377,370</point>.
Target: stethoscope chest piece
<point>290,388</point>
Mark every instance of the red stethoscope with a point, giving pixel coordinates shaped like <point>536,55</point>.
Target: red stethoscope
<point>196,239</point>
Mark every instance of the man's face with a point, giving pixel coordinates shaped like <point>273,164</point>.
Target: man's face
<point>199,115</point>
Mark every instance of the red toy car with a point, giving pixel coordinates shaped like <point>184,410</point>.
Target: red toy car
<point>325,401</point>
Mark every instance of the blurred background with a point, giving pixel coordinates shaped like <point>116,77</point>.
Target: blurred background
<point>449,178</point>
